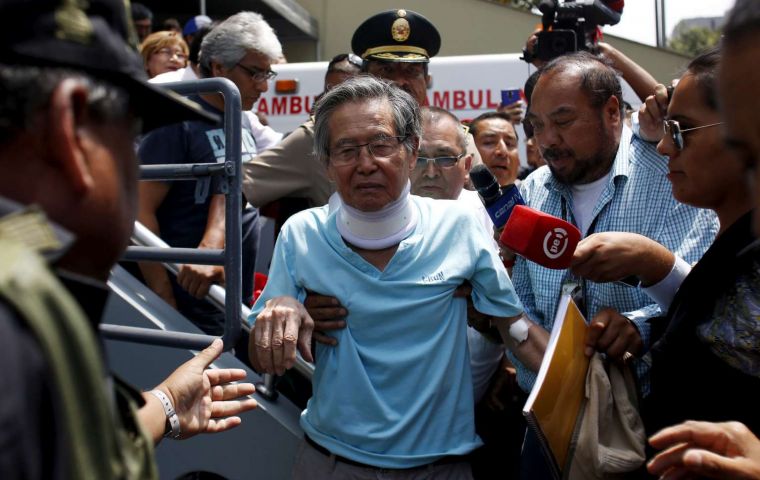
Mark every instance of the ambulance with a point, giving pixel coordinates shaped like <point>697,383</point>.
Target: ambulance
<point>467,85</point>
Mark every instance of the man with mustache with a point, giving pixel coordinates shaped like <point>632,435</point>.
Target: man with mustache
<point>601,178</point>
<point>497,142</point>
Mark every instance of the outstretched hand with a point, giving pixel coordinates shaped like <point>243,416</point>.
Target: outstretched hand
<point>207,400</point>
<point>283,327</point>
<point>612,256</point>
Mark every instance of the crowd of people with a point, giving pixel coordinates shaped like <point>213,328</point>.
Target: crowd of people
<point>386,272</point>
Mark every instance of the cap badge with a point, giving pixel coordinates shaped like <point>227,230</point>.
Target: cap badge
<point>73,24</point>
<point>400,29</point>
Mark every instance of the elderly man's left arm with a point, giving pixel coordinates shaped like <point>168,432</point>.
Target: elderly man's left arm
<point>493,294</point>
<point>280,323</point>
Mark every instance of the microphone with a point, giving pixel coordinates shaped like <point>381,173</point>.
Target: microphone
<point>541,238</point>
<point>499,202</point>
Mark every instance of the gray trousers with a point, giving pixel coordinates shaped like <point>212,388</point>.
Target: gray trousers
<point>311,464</point>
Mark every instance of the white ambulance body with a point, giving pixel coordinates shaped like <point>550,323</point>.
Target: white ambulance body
<point>466,85</point>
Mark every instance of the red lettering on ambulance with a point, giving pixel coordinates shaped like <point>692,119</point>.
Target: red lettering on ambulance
<point>262,107</point>
<point>441,99</point>
<point>459,102</point>
<point>475,105</point>
<point>279,105</point>
<point>295,105</point>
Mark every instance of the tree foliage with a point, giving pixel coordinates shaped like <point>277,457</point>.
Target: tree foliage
<point>694,41</point>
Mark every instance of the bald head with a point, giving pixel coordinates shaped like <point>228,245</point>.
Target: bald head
<point>592,75</point>
<point>577,116</point>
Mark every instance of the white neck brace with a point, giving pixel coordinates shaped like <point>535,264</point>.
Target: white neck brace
<point>376,230</point>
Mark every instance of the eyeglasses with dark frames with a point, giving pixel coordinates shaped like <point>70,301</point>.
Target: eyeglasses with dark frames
<point>258,74</point>
<point>675,132</point>
<point>381,148</point>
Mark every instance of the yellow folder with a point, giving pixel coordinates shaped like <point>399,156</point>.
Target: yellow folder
<point>554,403</point>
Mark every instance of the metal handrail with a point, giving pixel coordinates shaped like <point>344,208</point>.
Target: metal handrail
<point>142,236</point>
<point>148,246</point>
<point>232,188</point>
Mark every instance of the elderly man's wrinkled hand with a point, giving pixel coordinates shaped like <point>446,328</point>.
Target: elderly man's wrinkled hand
<point>283,327</point>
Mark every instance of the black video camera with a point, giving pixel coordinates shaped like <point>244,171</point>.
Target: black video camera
<point>569,27</point>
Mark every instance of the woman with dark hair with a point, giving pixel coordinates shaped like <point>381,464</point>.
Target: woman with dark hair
<point>705,354</point>
<point>706,362</point>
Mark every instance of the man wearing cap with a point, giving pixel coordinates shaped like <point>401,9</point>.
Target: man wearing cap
<point>395,45</point>
<point>67,206</point>
<point>193,25</point>
<point>241,49</point>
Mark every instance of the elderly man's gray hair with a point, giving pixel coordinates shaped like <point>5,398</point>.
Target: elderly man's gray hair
<point>407,118</point>
<point>232,39</point>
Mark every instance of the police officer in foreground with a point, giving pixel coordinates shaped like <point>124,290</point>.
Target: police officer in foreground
<point>73,94</point>
<point>395,45</point>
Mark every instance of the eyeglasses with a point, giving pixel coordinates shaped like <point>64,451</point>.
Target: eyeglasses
<point>258,74</point>
<point>172,53</point>
<point>380,149</point>
<point>674,131</point>
<point>440,162</point>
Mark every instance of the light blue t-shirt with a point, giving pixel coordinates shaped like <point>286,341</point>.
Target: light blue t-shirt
<point>396,392</point>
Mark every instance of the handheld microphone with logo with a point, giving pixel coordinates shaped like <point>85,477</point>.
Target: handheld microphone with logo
<point>541,238</point>
<point>498,202</point>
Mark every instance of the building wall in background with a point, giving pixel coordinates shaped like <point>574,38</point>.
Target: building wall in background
<point>467,27</point>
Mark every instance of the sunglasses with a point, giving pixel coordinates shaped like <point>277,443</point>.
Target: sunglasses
<point>675,132</point>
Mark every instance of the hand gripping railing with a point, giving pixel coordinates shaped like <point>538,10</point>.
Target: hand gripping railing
<point>231,256</point>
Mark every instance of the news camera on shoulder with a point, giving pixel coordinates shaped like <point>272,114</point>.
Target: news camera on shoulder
<point>571,26</point>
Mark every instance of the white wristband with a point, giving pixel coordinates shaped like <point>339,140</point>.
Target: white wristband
<point>519,330</point>
<point>171,415</point>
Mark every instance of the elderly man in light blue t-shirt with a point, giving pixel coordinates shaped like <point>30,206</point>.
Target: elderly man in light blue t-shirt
<point>396,390</point>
